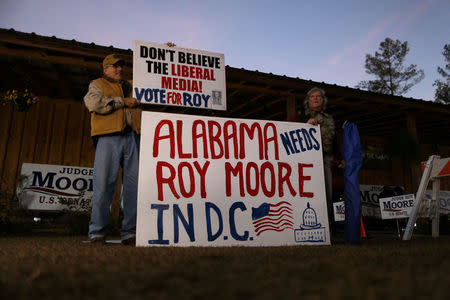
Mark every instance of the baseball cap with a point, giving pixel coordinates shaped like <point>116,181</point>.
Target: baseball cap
<point>111,59</point>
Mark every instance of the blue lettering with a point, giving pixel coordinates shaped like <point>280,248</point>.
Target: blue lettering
<point>67,184</point>
<point>300,140</point>
<point>160,208</point>
<point>197,100</point>
<point>162,96</point>
<point>301,137</point>
<point>365,196</point>
<point>188,226</point>
<point>148,95</point>
<point>38,181</point>
<point>387,205</point>
<point>291,134</point>
<point>287,143</point>
<point>187,99</point>
<point>206,98</point>
<point>312,132</point>
<point>233,231</point>
<point>155,95</point>
<point>83,182</point>
<point>151,95</point>
<point>307,139</point>
<point>208,207</point>
<point>139,94</point>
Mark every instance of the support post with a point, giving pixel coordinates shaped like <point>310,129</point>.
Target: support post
<point>435,207</point>
<point>414,167</point>
<point>419,196</point>
<point>435,168</point>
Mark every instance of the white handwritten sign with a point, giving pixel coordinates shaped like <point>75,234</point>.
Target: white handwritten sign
<point>176,76</point>
<point>230,182</point>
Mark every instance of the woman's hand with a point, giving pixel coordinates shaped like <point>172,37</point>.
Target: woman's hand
<point>312,121</point>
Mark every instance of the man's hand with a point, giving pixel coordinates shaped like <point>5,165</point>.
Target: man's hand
<point>131,102</point>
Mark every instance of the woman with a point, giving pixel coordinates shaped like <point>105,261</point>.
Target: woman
<point>314,114</point>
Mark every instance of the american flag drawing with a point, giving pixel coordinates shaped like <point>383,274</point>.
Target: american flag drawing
<point>274,217</point>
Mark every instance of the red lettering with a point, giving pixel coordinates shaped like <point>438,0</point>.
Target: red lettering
<point>174,72</point>
<point>178,98</point>
<point>174,97</point>
<point>185,71</point>
<point>166,82</point>
<point>235,171</point>
<point>180,141</point>
<point>202,173</point>
<point>264,177</point>
<point>184,192</point>
<point>243,128</point>
<point>250,190</point>
<point>284,178</point>
<point>268,166</point>
<point>193,72</point>
<point>194,87</point>
<point>302,179</point>
<point>160,180</point>
<point>268,140</point>
<point>170,97</point>
<point>158,137</point>
<point>215,139</point>
<point>198,73</point>
<point>181,84</point>
<point>227,135</point>
<point>206,75</point>
<point>196,136</point>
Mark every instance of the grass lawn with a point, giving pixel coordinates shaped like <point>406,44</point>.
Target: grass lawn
<point>62,267</point>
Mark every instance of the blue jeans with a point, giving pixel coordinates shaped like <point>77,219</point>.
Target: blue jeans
<point>113,152</point>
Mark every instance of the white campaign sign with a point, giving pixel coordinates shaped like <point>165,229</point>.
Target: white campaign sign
<point>54,187</point>
<point>370,205</point>
<point>230,182</point>
<point>339,211</point>
<point>176,76</point>
<point>444,201</point>
<point>396,207</point>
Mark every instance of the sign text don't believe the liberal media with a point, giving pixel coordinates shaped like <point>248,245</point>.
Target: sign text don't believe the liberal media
<point>176,76</point>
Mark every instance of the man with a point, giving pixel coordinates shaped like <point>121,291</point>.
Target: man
<point>115,129</point>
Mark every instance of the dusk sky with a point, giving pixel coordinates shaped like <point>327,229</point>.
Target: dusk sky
<point>318,40</point>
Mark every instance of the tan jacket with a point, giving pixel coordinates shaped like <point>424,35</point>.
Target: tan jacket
<point>114,121</point>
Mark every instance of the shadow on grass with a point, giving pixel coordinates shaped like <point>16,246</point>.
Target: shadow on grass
<point>54,266</point>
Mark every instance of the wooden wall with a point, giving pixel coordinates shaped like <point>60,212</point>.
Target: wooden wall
<point>402,173</point>
<point>51,132</point>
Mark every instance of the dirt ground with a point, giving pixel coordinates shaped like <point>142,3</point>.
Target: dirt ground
<point>62,267</point>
